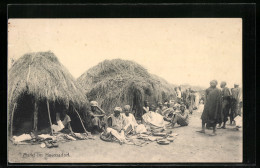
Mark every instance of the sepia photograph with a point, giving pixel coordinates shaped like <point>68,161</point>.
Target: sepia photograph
<point>125,90</point>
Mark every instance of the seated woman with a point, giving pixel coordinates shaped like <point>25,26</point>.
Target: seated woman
<point>153,120</point>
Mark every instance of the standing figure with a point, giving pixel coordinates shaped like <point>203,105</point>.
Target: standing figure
<point>189,100</point>
<point>236,99</point>
<point>179,95</point>
<point>225,101</point>
<point>212,110</point>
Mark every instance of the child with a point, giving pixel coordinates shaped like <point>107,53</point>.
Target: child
<point>201,106</point>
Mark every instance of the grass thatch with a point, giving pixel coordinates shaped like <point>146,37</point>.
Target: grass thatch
<point>119,82</point>
<point>41,75</point>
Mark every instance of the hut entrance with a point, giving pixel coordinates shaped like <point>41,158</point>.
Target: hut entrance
<point>23,114</point>
<point>137,103</point>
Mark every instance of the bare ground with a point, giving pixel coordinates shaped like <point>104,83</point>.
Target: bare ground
<point>189,146</point>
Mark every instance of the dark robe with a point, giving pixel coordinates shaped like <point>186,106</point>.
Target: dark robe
<point>212,109</point>
<point>225,100</point>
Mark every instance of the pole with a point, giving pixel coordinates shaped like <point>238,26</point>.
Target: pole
<point>12,117</point>
<point>35,116</point>
<point>48,107</point>
<point>81,121</point>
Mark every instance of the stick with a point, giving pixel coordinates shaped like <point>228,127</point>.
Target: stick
<point>12,117</point>
<point>49,116</point>
<point>35,117</point>
<point>81,121</point>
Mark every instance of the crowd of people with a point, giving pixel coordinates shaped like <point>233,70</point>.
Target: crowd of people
<point>217,105</point>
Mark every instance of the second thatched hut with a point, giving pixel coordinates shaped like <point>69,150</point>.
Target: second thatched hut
<point>119,82</point>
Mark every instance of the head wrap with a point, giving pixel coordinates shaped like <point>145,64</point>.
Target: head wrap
<point>126,107</point>
<point>118,109</point>
<point>215,82</point>
<point>94,103</point>
<point>223,83</point>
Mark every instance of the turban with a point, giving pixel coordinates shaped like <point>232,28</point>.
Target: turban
<point>126,107</point>
<point>94,103</point>
<point>118,109</point>
<point>214,81</point>
<point>224,83</point>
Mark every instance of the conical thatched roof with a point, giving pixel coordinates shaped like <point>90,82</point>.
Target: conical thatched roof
<point>117,82</point>
<point>43,76</point>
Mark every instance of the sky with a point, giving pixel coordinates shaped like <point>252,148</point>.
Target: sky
<point>180,50</point>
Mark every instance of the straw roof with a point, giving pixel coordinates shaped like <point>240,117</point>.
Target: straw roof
<point>117,82</point>
<point>42,75</point>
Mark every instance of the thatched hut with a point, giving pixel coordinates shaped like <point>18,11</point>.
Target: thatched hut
<point>38,86</point>
<point>119,82</point>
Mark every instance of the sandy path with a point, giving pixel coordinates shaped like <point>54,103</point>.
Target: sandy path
<point>189,146</point>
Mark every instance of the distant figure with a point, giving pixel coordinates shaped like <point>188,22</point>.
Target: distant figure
<point>197,99</point>
<point>225,101</point>
<point>145,109</point>
<point>95,118</point>
<point>212,110</point>
<point>190,98</point>
<point>201,106</point>
<point>236,98</point>
<point>178,93</point>
<point>159,108</point>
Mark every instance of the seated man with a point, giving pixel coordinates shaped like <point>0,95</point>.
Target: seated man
<point>116,123</point>
<point>63,122</point>
<point>95,117</point>
<point>62,125</point>
<point>181,118</point>
<point>130,122</point>
<point>168,110</point>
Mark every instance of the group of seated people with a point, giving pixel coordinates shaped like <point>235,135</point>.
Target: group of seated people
<point>122,122</point>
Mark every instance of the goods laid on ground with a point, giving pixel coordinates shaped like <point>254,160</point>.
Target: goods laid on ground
<point>46,140</point>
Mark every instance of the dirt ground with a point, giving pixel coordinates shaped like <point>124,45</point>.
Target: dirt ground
<point>189,146</point>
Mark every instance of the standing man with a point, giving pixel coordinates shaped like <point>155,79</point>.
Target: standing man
<point>225,101</point>
<point>212,110</point>
<point>178,92</point>
<point>95,118</point>
<point>189,100</point>
<point>236,101</point>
